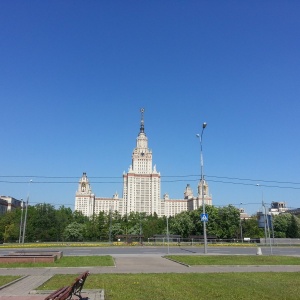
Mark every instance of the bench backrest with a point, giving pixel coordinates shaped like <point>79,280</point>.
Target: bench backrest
<point>77,286</point>
<point>67,291</point>
<point>62,293</point>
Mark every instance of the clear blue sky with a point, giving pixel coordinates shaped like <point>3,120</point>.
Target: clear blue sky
<point>74,75</point>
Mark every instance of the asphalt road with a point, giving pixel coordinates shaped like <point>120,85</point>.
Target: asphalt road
<point>145,250</point>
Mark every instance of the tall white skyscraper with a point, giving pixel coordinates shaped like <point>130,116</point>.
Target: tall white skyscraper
<point>141,188</point>
<point>141,185</point>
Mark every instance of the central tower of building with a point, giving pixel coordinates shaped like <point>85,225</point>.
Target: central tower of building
<point>141,185</point>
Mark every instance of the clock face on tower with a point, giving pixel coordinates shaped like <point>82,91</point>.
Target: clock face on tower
<point>142,154</point>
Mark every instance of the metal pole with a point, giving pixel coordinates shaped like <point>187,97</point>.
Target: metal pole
<point>110,224</point>
<point>168,234</point>
<point>241,224</point>
<point>25,219</point>
<point>202,189</point>
<point>21,223</point>
<point>269,234</point>
<point>271,219</point>
<point>140,229</point>
<point>263,205</point>
<point>265,220</point>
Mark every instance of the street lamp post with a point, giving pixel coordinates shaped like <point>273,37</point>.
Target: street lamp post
<point>21,223</point>
<point>25,218</point>
<point>272,226</point>
<point>168,235</point>
<point>266,223</point>
<point>202,187</point>
<point>141,229</point>
<point>5,237</point>
<point>265,216</point>
<point>110,225</point>
<point>241,224</point>
<point>268,227</point>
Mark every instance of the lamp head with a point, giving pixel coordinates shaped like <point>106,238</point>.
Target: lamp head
<point>197,135</point>
<point>204,125</point>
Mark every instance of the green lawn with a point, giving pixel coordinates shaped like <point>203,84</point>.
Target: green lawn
<point>6,279</point>
<point>67,261</point>
<point>192,260</point>
<point>170,286</point>
<point>167,286</point>
<point>196,260</point>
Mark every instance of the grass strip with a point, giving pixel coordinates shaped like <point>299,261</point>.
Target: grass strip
<point>7,279</point>
<point>170,286</point>
<point>123,244</point>
<point>67,261</point>
<point>196,260</point>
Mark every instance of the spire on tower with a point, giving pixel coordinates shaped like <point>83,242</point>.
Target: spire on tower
<point>142,120</point>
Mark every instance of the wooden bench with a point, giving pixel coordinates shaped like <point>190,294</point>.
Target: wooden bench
<point>67,292</point>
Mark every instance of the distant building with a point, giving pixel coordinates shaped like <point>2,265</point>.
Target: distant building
<point>8,203</point>
<point>277,208</point>
<point>265,217</point>
<point>243,214</point>
<point>141,189</point>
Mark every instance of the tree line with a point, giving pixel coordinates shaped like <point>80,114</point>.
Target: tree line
<point>47,224</point>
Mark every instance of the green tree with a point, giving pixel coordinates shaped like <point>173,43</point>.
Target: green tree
<point>10,225</point>
<point>213,227</point>
<point>116,229</point>
<point>90,229</point>
<point>102,226</point>
<point>182,224</point>
<point>281,225</point>
<point>64,216</point>
<point>293,228</point>
<point>74,232</point>
<point>152,225</point>
<point>31,223</point>
<point>115,224</point>
<point>251,229</point>
<point>43,222</point>
<point>11,220</point>
<point>79,217</point>
<point>133,223</point>
<point>229,222</point>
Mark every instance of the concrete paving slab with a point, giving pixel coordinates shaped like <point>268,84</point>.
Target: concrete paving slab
<point>24,286</point>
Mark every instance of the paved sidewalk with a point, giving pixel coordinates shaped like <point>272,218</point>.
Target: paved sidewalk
<point>34,277</point>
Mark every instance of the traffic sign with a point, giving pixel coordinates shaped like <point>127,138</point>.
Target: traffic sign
<point>204,217</point>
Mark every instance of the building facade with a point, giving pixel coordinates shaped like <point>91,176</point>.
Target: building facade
<point>141,189</point>
<point>8,203</point>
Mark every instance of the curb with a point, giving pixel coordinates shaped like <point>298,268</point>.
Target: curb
<point>175,261</point>
<point>98,294</point>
